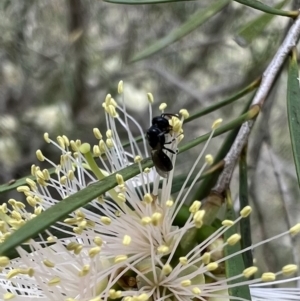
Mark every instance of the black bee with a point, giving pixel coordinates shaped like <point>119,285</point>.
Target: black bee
<point>156,138</point>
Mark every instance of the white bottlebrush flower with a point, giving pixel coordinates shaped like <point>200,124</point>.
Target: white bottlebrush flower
<point>124,245</point>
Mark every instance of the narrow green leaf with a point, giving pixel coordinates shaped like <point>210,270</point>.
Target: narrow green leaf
<point>268,9</point>
<point>135,2</point>
<point>293,108</point>
<point>255,27</point>
<point>244,201</point>
<point>66,206</point>
<point>194,22</point>
<point>235,265</point>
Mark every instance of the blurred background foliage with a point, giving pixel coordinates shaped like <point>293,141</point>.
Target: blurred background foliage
<point>60,58</point>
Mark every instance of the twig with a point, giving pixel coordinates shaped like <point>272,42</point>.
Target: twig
<point>267,80</point>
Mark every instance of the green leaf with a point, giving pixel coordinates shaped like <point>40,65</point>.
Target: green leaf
<point>268,9</point>
<point>194,22</point>
<point>135,2</point>
<point>293,108</point>
<point>66,206</point>
<point>244,201</point>
<point>234,265</point>
<point>255,27</point>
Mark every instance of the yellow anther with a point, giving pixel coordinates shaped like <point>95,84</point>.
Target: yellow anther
<point>120,258</point>
<point>113,103</point>
<point>156,218</point>
<point>51,238</point>
<point>147,170</point>
<point>31,201</point>
<point>94,251</point>
<point>105,220</point>
<point>40,155</point>
<point>102,146</point>
<point>120,179</point>
<point>150,98</point>
<point>109,143</point>
<point>61,142</point>
<point>48,263</point>
<point>167,269</point>
<point>148,198</point>
<point>85,148</point>
<point>169,203</point>
<point>16,215</point>
<point>216,123</point>
<point>54,281</point>
<point>31,183</point>
<point>107,99</point>
<point>96,151</point>
<point>40,175</point>
<point>212,266</point>
<point>206,258</point>
<point>71,246</point>
<point>121,197</point>
<point>137,159</point>
<point>84,271</point>
<point>198,218</point>
<point>227,223</point>
<point>70,220</point>
<point>8,296</point>
<point>109,134</point>
<point>233,239</point>
<point>4,261</point>
<point>77,230</point>
<point>146,220</point>
<point>111,109</point>
<point>71,175</point>
<point>195,206</point>
<point>120,87</point>
<point>184,113</point>
<point>78,249</point>
<point>183,260</point>
<point>46,174</point>
<point>23,189</point>
<point>97,133</point>
<point>143,297</point>
<point>186,283</point>
<point>196,291</point>
<point>66,140</point>
<point>250,271</point>
<point>82,224</point>
<point>126,240</point>
<point>289,269</point>
<point>33,169</point>
<point>46,137</point>
<point>246,211</point>
<point>162,106</point>
<point>295,229</point>
<point>163,249</point>
<point>176,125</point>
<point>63,180</point>
<point>98,241</point>
<point>209,159</point>
<point>268,277</point>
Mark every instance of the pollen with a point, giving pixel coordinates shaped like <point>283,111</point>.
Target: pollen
<point>209,159</point>
<point>233,239</point>
<point>46,138</point>
<point>4,261</point>
<point>126,240</point>
<point>146,220</point>
<point>216,123</point>
<point>48,263</point>
<point>120,258</point>
<point>121,197</point>
<point>250,271</point>
<point>206,258</point>
<point>97,133</point>
<point>84,271</point>
<point>169,203</point>
<point>23,189</point>
<point>212,266</point>
<point>184,113</point>
<point>246,211</point>
<point>227,223</point>
<point>137,159</point>
<point>196,291</point>
<point>54,281</point>
<point>266,277</point>
<point>109,143</point>
<point>119,179</point>
<point>98,241</point>
<point>163,249</point>
<point>40,155</point>
<point>183,260</point>
<point>295,229</point>
<point>150,98</point>
<point>289,269</point>
<point>105,220</point>
<point>120,87</point>
<point>195,206</point>
<point>156,218</point>
<point>162,106</point>
<point>186,283</point>
<point>148,198</point>
<point>8,296</point>
<point>167,269</point>
<point>61,142</point>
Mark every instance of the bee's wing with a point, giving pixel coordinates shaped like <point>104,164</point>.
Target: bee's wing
<point>162,162</point>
